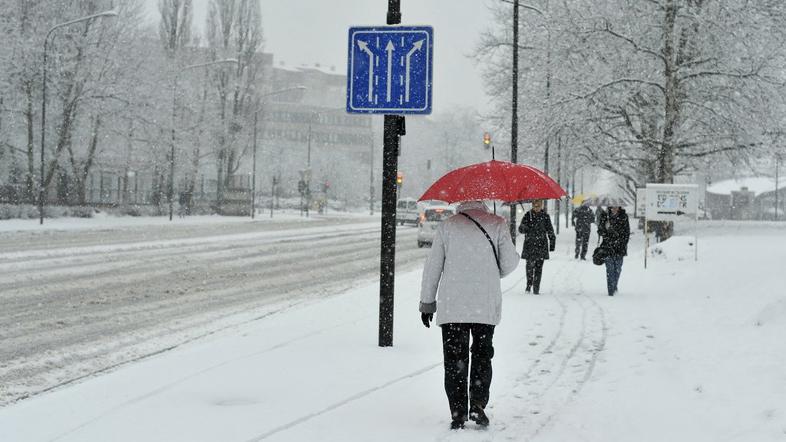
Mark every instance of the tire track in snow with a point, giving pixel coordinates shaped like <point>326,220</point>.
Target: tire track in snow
<point>343,402</point>
<point>93,338</point>
<point>169,385</point>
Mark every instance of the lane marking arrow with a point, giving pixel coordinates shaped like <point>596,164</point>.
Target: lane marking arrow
<point>416,47</point>
<point>389,48</point>
<point>364,47</point>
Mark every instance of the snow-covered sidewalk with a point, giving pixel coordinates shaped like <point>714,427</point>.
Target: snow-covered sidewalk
<point>688,351</point>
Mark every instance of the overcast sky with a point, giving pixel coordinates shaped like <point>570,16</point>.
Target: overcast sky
<point>315,31</point>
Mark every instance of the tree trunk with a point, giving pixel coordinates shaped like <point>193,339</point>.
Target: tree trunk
<point>671,111</point>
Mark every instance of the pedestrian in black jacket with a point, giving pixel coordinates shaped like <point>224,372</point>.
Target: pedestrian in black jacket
<point>615,231</point>
<point>582,220</point>
<point>539,240</point>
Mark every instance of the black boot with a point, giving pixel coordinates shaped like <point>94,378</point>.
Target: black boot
<point>528,289</point>
<point>457,424</point>
<point>479,416</point>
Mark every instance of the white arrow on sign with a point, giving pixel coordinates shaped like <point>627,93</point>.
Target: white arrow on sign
<point>364,47</point>
<point>389,48</point>
<point>416,47</point>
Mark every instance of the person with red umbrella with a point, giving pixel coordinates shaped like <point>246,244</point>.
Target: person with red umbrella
<point>471,252</point>
<point>539,240</point>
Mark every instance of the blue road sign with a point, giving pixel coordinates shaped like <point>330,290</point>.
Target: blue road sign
<point>389,69</point>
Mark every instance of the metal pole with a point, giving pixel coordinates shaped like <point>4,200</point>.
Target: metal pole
<point>558,203</point>
<point>172,147</point>
<point>777,163</point>
<point>254,167</point>
<point>43,135</point>
<point>393,129</point>
<point>514,123</point>
<point>41,193</point>
<point>308,165</point>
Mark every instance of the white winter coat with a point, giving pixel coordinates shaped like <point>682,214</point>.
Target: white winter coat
<point>461,281</point>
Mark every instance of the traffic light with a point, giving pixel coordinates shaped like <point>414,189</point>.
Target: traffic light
<point>399,179</point>
<point>486,139</point>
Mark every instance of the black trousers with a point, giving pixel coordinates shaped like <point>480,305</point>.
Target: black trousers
<point>582,239</point>
<point>534,272</point>
<point>456,350</point>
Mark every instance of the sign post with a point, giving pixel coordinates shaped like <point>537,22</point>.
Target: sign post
<point>641,212</point>
<point>673,202</point>
<point>389,72</point>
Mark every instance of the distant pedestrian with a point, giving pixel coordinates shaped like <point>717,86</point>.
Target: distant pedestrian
<point>539,240</point>
<point>598,212</point>
<point>615,231</point>
<point>471,251</point>
<point>582,221</point>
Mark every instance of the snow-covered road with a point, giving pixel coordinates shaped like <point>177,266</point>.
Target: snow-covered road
<point>78,302</point>
<point>688,351</point>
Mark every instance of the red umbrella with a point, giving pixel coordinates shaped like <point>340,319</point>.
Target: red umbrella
<point>494,180</point>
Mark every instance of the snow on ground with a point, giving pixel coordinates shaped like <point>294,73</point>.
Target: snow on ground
<point>689,351</point>
<point>107,222</point>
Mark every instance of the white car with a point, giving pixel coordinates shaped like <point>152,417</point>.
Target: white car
<point>407,211</point>
<point>429,222</point>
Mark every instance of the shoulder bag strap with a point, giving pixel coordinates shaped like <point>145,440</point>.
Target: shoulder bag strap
<point>493,248</point>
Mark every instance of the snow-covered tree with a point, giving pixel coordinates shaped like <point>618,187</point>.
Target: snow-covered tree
<point>645,89</point>
<point>234,30</point>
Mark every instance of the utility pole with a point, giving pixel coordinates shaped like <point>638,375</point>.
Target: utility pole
<point>394,128</point>
<point>558,203</point>
<point>254,169</point>
<point>514,123</point>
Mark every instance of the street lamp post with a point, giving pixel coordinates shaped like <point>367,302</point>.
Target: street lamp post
<point>41,191</point>
<point>307,175</point>
<point>171,190</point>
<point>254,155</point>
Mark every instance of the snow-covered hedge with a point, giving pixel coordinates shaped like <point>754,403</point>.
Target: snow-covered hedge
<point>29,211</point>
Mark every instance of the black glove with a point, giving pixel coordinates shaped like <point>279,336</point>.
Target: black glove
<point>426,318</point>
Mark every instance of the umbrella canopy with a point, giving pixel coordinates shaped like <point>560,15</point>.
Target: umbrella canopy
<point>582,197</point>
<point>606,201</point>
<point>494,180</point>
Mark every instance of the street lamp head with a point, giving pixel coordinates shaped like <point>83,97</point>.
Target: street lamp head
<point>109,13</point>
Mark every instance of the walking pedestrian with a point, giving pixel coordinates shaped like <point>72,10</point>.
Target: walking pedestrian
<point>471,252</point>
<point>615,231</point>
<point>598,212</point>
<point>539,240</point>
<point>582,221</point>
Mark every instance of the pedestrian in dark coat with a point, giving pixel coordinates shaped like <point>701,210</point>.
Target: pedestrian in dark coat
<point>582,221</point>
<point>539,240</point>
<point>615,231</point>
